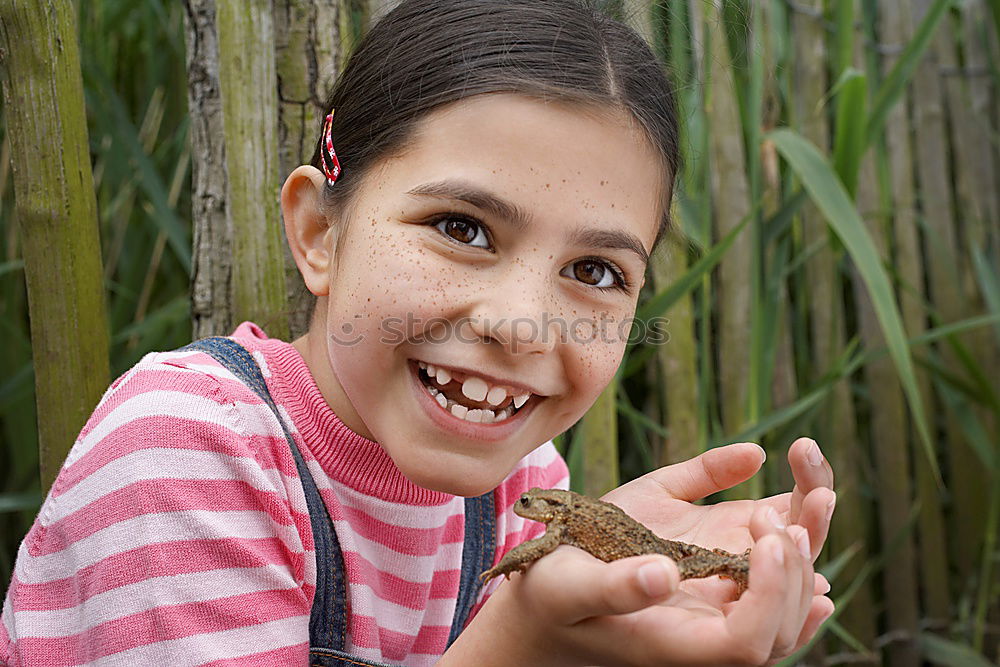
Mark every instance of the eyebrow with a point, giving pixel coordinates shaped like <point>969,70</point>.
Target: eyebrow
<point>477,197</point>
<point>519,219</point>
<point>607,238</point>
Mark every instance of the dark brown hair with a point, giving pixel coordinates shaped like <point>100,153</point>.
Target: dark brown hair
<point>428,53</point>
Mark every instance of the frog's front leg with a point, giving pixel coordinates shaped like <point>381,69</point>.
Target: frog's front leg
<point>520,557</point>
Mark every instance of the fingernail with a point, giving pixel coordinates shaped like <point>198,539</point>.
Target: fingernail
<point>654,578</point>
<point>813,455</point>
<point>773,517</point>
<point>778,552</point>
<point>763,453</point>
<point>802,542</point>
<point>830,506</point>
<point>826,587</point>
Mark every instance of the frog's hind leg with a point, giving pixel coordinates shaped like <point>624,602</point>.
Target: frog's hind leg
<point>710,564</point>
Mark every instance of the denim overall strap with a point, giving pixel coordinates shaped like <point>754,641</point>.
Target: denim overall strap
<point>477,556</point>
<point>328,619</point>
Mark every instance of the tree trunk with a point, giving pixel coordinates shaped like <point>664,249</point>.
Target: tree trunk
<point>308,52</point>
<point>285,57</point>
<point>56,212</point>
<point>249,85</point>
<point>212,255</point>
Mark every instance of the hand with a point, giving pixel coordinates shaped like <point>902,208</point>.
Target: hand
<point>570,608</point>
<point>663,501</point>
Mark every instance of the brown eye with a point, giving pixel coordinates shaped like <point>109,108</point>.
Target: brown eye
<point>596,272</point>
<point>463,231</point>
<point>460,230</point>
<point>590,272</point>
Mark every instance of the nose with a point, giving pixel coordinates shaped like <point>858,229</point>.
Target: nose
<point>516,314</point>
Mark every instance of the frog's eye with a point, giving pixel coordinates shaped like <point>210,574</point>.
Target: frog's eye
<point>525,501</point>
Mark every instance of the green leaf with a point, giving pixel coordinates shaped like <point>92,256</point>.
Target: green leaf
<point>941,651</point>
<point>16,502</point>
<point>843,367</point>
<point>989,283</point>
<point>849,139</point>
<point>830,197</point>
<point>11,266</point>
<point>662,301</point>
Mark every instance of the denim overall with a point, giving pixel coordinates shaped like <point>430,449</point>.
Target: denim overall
<point>328,619</point>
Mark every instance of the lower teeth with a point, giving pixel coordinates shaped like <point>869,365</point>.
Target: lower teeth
<point>485,416</point>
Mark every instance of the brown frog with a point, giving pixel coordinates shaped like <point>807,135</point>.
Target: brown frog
<point>608,533</point>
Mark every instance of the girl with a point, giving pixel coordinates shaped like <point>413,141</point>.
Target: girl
<point>480,206</point>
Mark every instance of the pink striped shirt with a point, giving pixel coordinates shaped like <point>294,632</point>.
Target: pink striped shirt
<point>177,531</point>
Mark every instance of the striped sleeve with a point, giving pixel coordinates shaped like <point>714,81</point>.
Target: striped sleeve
<point>171,535</point>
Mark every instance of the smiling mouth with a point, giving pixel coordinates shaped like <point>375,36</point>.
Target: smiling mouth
<point>450,397</point>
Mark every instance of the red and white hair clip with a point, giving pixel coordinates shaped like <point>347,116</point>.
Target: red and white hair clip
<point>331,165</point>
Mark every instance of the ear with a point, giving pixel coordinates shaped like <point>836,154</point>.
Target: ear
<point>310,236</point>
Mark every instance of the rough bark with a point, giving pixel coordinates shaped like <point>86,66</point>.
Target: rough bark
<point>307,49</point>
<point>289,73</point>
<point>56,212</point>
<point>211,308</point>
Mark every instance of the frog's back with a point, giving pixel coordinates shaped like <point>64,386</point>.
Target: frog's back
<point>607,532</point>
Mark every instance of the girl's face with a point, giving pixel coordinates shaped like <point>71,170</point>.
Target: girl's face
<point>506,246</point>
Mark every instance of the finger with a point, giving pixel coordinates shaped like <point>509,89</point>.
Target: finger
<point>821,584</point>
<point>782,502</point>
<point>798,571</point>
<point>820,609</point>
<point>755,619</point>
<point>810,471</point>
<point>575,585</point>
<point>717,469</point>
<point>815,516</point>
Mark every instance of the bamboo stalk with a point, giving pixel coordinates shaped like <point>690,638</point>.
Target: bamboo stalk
<point>56,212</point>
<point>677,356</point>
<point>836,425</point>
<point>598,438</point>
<point>890,446</point>
<point>307,53</point>
<point>730,204</point>
<point>971,165</point>
<point>697,178</point>
<point>929,133</point>
<point>246,72</point>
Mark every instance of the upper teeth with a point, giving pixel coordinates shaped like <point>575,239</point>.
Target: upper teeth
<point>477,388</point>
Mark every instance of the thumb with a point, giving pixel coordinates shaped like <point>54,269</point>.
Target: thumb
<point>583,587</point>
<point>715,470</point>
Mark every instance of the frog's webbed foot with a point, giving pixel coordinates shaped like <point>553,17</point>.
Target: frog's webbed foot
<point>520,557</point>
